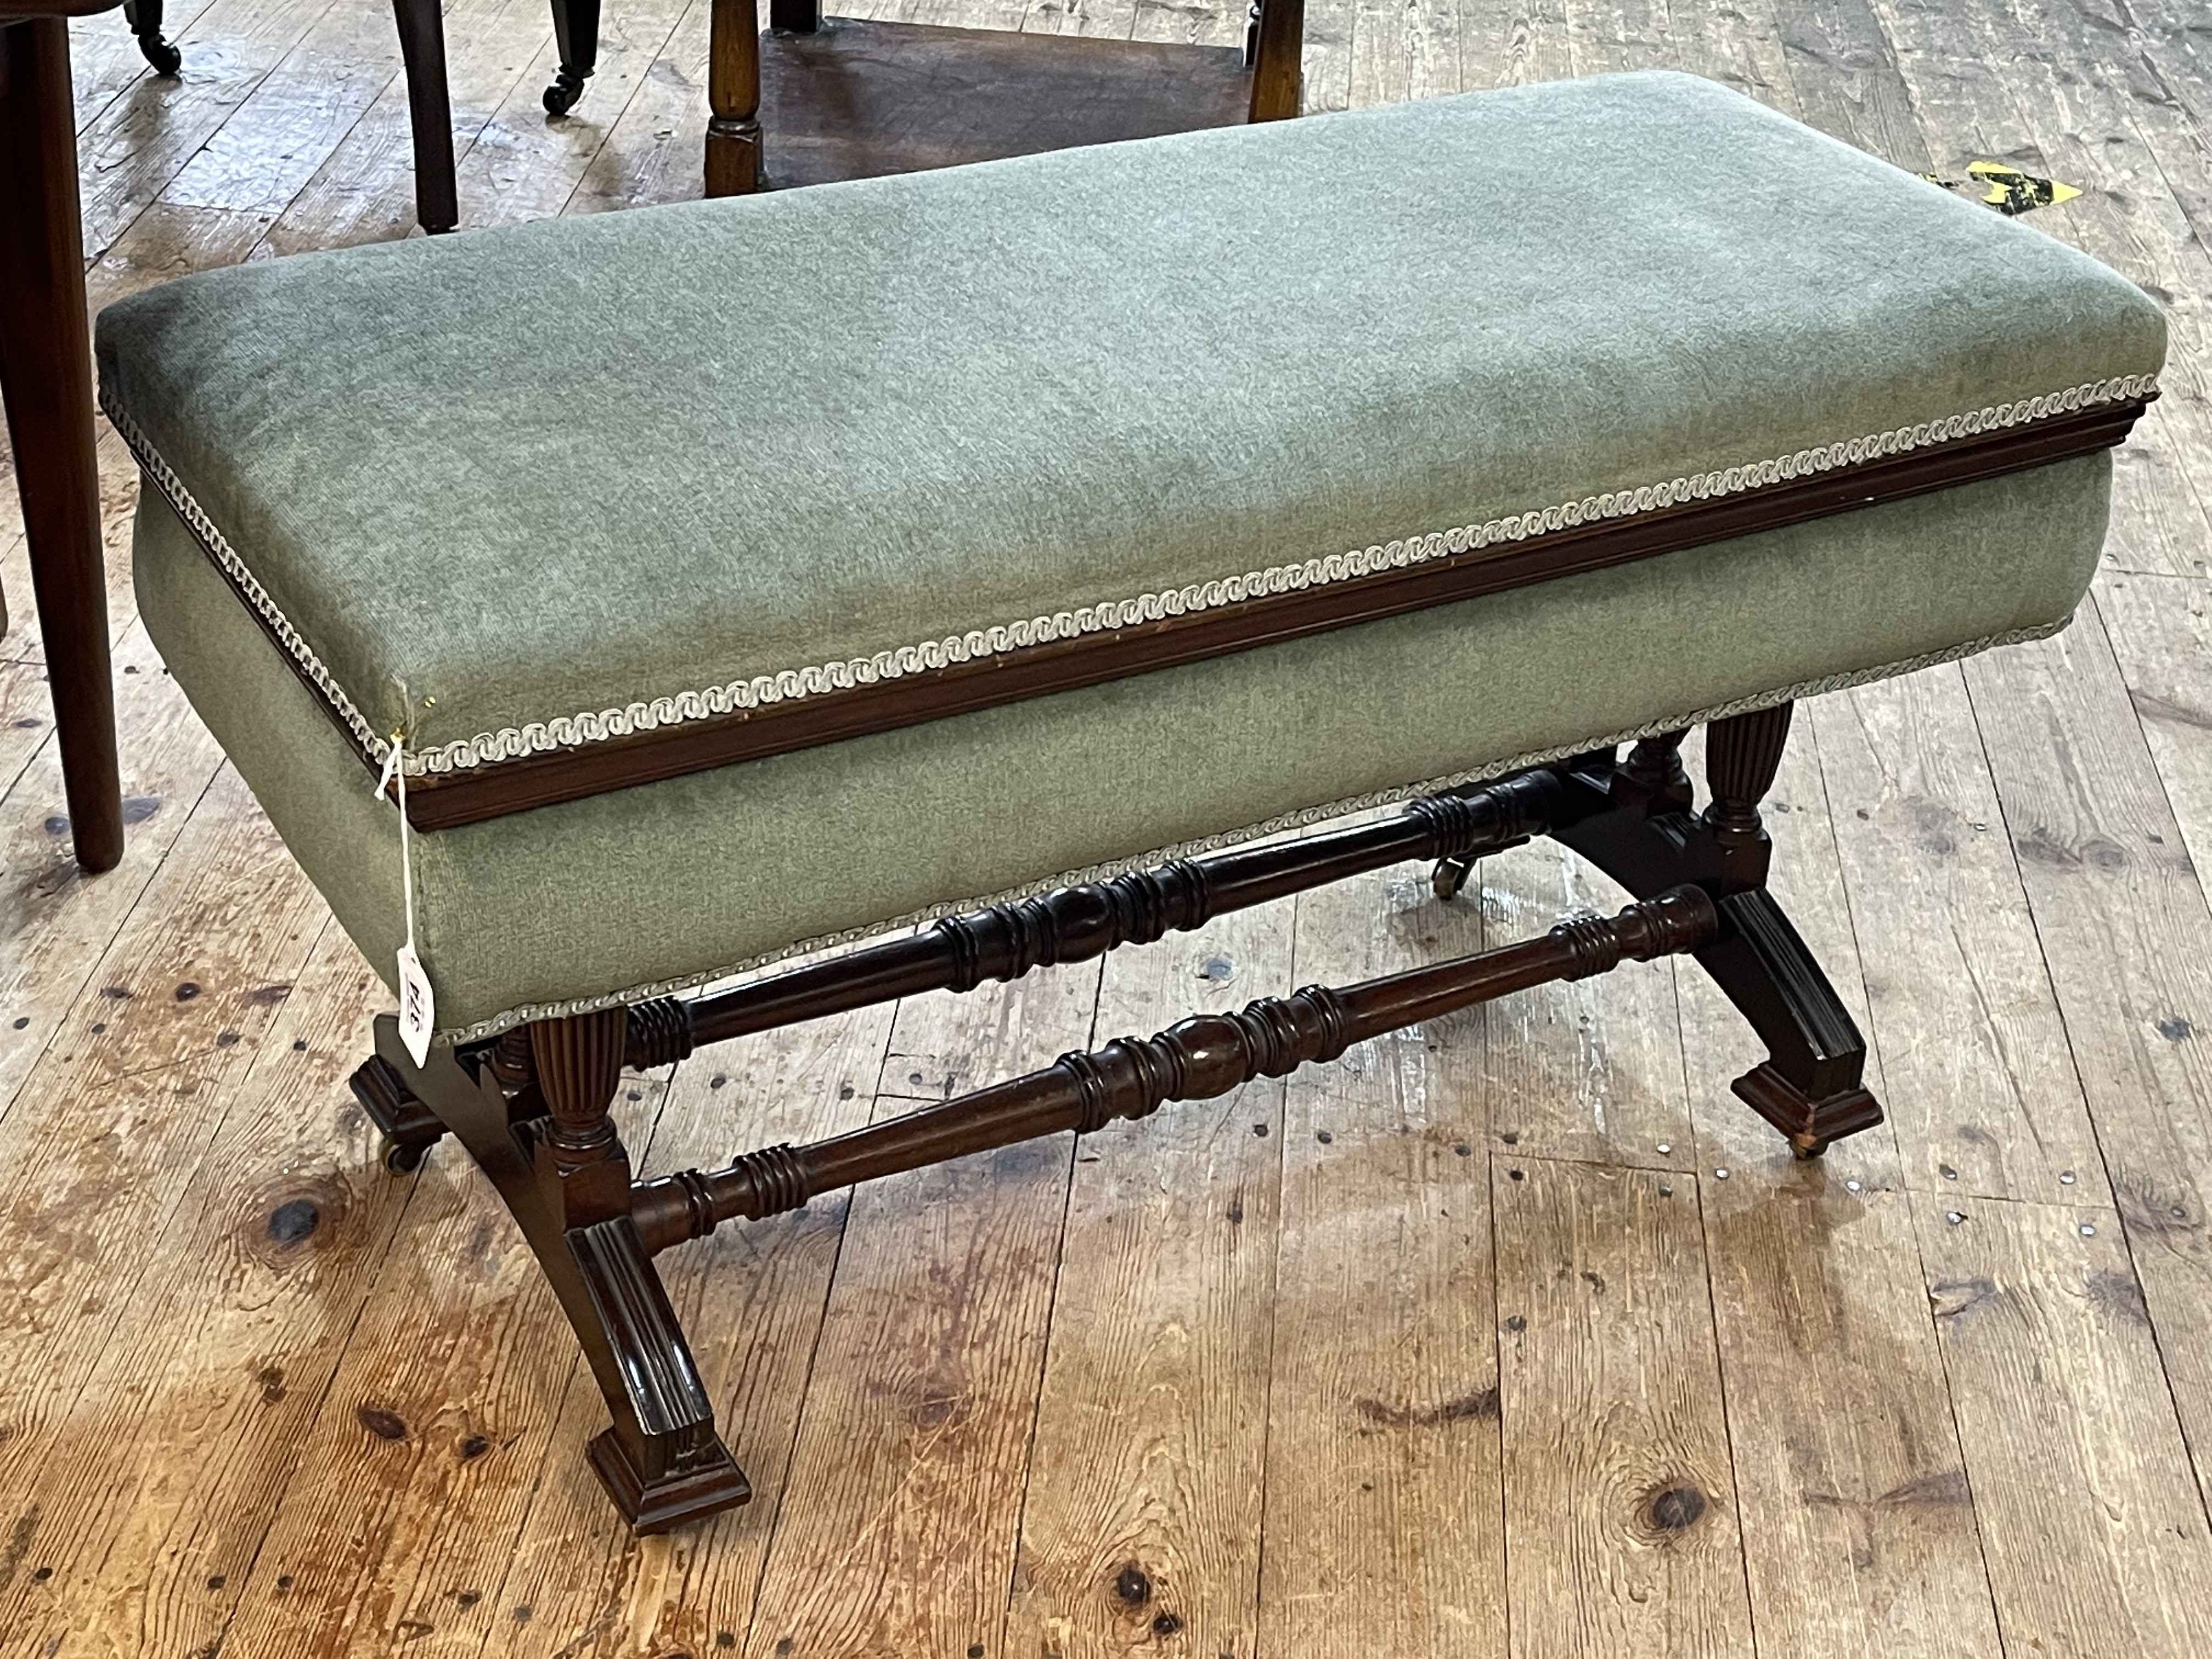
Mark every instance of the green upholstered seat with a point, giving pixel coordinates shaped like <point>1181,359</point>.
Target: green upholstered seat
<point>526,492</point>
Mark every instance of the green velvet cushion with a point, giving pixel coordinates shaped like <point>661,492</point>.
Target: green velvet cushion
<point>666,885</point>
<point>622,462</point>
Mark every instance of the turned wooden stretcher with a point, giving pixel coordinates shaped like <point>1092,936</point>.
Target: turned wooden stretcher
<point>532,1106</point>
<point>1399,472</point>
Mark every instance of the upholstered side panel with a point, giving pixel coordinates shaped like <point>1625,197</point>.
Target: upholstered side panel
<point>676,881</point>
<point>1296,342</point>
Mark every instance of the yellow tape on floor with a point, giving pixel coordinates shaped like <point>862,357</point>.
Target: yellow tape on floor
<point>2008,190</point>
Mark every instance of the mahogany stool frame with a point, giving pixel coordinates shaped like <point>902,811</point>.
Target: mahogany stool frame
<point>531,1106</point>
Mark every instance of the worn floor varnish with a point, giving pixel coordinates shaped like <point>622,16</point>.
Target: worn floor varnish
<point>1516,1335</point>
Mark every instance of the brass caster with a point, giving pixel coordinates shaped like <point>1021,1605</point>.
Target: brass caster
<point>406,1128</point>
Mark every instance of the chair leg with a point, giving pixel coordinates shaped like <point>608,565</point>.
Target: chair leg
<point>733,96</point>
<point>144,17</point>
<point>795,16</point>
<point>576,34</point>
<point>1274,43</point>
<point>429,112</point>
<point>1811,1084</point>
<point>45,383</point>
<point>556,1158</point>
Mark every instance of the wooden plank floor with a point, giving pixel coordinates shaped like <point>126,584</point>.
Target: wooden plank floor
<point>1513,1335</point>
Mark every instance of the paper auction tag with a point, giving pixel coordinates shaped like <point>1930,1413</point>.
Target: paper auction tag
<point>418,1010</point>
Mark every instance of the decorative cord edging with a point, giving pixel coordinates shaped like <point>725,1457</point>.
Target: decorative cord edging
<point>526,1013</point>
<point>540,737</point>
<point>218,548</point>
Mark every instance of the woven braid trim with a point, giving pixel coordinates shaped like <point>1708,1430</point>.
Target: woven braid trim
<point>212,541</point>
<point>821,679</point>
<point>1288,821</point>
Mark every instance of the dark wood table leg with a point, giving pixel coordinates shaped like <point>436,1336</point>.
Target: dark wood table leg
<point>576,37</point>
<point>733,93</point>
<point>429,112</point>
<point>1277,40</point>
<point>45,378</point>
<point>144,17</point>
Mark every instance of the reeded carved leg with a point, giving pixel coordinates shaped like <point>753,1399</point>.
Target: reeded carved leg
<point>576,37</point>
<point>734,97</point>
<point>144,17</point>
<point>1809,1087</point>
<point>554,1155</point>
<point>1644,837</point>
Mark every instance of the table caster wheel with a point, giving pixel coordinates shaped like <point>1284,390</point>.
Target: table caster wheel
<point>1449,876</point>
<point>406,1128</point>
<point>560,97</point>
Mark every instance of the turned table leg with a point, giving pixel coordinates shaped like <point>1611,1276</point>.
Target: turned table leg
<point>429,112</point>
<point>144,17</point>
<point>45,378</point>
<point>576,37</point>
<point>1655,767</point>
<point>733,95</point>
<point>1276,43</point>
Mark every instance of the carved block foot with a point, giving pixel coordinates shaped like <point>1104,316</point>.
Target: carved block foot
<point>409,1128</point>
<point>1809,1124</point>
<point>676,1499</point>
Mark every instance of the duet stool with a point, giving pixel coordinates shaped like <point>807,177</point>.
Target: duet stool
<point>1104,514</point>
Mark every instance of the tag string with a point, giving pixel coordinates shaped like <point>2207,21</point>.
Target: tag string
<point>395,774</point>
<point>406,865</point>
